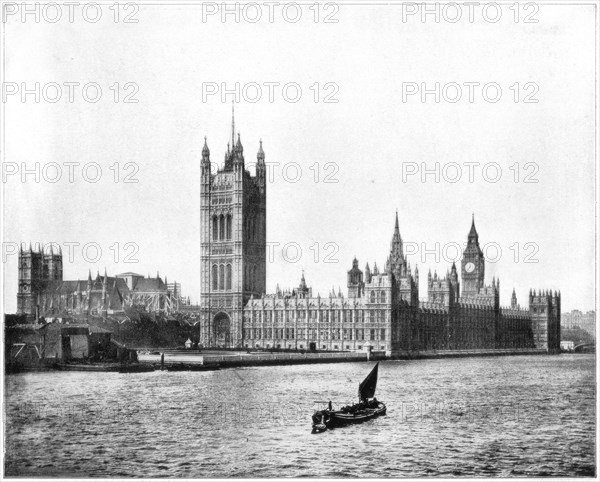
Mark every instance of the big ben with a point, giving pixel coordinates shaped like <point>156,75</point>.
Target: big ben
<point>473,264</point>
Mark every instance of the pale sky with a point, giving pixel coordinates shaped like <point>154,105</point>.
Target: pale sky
<point>368,135</point>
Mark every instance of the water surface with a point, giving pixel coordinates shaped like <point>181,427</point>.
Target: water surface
<point>503,416</point>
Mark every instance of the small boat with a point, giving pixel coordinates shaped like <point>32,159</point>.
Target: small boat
<point>367,408</point>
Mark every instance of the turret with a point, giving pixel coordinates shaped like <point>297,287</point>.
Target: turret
<point>79,296</point>
<point>238,157</point>
<point>260,167</point>
<point>513,300</point>
<point>104,285</point>
<point>355,280</point>
<point>367,273</point>
<point>205,164</point>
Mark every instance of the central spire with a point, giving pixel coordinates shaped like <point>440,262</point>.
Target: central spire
<point>232,124</point>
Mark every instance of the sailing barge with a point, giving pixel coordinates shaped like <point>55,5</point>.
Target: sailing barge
<point>368,407</point>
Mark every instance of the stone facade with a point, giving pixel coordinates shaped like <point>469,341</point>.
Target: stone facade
<point>43,292</point>
<point>381,310</point>
<point>233,227</point>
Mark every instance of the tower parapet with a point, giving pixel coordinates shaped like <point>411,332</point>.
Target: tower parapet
<point>544,309</point>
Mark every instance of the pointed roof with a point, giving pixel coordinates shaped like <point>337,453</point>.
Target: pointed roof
<point>261,153</point>
<point>396,236</point>
<point>205,149</point>
<point>473,232</point>
<point>302,281</point>
<point>238,146</point>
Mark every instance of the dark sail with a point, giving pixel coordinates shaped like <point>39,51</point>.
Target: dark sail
<point>367,388</point>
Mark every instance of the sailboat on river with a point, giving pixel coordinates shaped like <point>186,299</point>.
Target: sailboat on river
<point>368,407</point>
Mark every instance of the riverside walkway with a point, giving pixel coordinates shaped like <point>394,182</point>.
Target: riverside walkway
<point>215,359</point>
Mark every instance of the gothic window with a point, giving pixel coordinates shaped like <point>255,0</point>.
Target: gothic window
<point>221,227</point>
<point>372,297</point>
<point>228,277</point>
<point>382,335</point>
<point>215,228</point>
<point>383,296</point>
<point>228,226</point>
<point>222,276</point>
<point>215,277</point>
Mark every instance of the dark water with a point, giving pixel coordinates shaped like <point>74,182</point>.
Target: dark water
<point>505,416</point>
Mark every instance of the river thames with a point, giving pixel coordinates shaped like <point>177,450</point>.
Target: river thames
<point>501,416</point>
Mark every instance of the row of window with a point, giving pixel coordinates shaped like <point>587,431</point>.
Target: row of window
<point>221,227</point>
<point>221,277</point>
<point>335,316</point>
<point>311,334</point>
<point>251,227</point>
<point>250,280</point>
<point>301,346</point>
<point>378,299</point>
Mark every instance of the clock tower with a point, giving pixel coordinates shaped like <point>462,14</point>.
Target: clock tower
<point>473,264</point>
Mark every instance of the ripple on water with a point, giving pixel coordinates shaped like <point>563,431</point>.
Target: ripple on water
<point>506,416</point>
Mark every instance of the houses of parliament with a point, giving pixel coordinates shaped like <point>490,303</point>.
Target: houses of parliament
<point>381,308</point>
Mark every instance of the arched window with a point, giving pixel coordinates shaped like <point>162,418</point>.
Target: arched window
<point>222,277</point>
<point>221,227</point>
<point>228,277</point>
<point>215,277</point>
<point>215,228</point>
<point>253,277</point>
<point>228,226</point>
<point>372,297</point>
<point>383,296</point>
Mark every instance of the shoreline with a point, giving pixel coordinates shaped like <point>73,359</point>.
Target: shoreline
<point>183,361</point>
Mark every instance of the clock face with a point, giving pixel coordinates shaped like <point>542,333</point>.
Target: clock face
<point>469,267</point>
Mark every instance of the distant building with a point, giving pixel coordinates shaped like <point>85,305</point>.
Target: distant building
<point>174,289</point>
<point>577,319</point>
<point>42,292</point>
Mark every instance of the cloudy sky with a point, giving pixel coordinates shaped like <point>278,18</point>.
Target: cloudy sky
<point>347,130</point>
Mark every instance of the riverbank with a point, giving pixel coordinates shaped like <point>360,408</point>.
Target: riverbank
<point>175,359</point>
<point>184,360</point>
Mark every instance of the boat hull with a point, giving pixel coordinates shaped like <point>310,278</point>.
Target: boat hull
<point>328,419</point>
